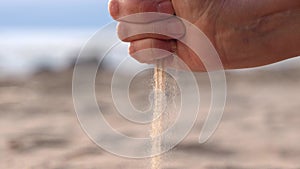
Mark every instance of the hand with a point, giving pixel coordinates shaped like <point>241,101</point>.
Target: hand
<point>245,33</point>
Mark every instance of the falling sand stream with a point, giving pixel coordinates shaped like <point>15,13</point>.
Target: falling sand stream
<point>157,124</point>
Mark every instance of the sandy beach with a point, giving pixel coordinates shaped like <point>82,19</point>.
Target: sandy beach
<point>259,130</point>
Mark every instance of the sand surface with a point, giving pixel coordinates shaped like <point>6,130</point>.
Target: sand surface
<point>260,128</point>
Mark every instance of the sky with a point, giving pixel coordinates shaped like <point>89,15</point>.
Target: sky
<point>76,14</point>
<point>46,32</point>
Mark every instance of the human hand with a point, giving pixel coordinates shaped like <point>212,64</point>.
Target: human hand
<point>244,33</point>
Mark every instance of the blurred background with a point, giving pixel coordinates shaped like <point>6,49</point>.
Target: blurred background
<point>46,34</point>
<point>39,43</point>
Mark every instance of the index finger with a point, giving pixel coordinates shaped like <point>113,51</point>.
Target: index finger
<point>121,8</point>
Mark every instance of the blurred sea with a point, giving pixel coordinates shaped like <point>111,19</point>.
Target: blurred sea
<point>24,52</point>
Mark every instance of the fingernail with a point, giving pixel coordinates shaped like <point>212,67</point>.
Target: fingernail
<point>165,7</point>
<point>114,8</point>
<point>176,29</point>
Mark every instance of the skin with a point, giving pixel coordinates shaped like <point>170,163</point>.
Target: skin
<point>245,33</point>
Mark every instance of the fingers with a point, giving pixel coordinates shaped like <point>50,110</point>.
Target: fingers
<point>150,50</point>
<point>121,8</point>
<point>167,29</point>
<point>175,54</point>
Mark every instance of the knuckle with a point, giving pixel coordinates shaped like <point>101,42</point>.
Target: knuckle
<point>114,8</point>
<point>122,31</point>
